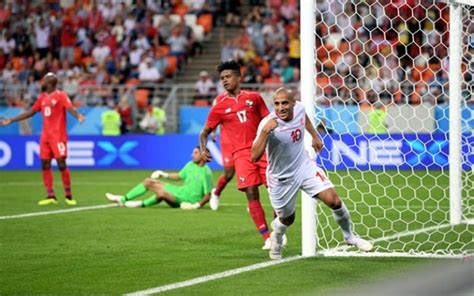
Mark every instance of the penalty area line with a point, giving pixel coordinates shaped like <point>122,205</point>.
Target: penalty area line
<point>45,213</point>
<point>215,276</point>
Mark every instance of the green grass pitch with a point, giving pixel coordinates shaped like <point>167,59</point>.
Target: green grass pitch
<point>119,250</point>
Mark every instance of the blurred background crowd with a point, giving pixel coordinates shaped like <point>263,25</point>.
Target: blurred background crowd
<point>367,51</point>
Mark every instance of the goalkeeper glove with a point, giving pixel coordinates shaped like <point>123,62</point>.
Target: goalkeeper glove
<point>158,174</point>
<point>190,206</point>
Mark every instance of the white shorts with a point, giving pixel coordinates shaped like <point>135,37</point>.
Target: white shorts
<point>283,194</point>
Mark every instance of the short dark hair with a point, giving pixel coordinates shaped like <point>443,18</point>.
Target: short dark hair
<point>229,65</point>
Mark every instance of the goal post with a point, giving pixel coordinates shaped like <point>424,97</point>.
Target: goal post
<point>308,90</point>
<point>455,81</point>
<point>404,65</point>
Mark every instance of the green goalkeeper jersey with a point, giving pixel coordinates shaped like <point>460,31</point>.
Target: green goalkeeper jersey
<point>197,183</point>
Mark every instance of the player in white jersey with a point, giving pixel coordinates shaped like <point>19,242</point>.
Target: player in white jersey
<point>290,168</point>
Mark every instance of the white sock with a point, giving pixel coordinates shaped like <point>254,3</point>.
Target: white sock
<point>343,218</point>
<point>278,227</point>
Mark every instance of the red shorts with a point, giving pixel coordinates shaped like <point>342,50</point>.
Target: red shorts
<point>50,149</point>
<point>227,158</point>
<point>250,173</point>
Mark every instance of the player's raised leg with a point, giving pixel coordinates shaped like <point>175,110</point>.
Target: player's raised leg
<point>343,219</point>
<point>47,174</point>
<point>135,192</point>
<point>160,194</point>
<point>221,184</point>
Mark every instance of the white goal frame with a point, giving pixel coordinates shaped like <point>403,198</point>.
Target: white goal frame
<point>308,91</point>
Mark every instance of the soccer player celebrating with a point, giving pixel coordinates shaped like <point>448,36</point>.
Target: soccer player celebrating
<point>239,113</point>
<point>281,134</point>
<point>194,194</point>
<point>52,103</point>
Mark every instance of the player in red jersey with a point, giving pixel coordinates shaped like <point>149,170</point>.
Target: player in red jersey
<point>52,103</point>
<point>239,113</point>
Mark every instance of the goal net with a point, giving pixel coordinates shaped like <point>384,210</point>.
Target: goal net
<point>383,110</point>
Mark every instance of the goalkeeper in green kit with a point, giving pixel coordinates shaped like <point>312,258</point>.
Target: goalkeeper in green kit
<point>193,194</point>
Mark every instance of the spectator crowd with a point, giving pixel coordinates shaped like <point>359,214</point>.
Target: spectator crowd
<point>393,51</point>
<point>366,51</point>
<point>94,43</point>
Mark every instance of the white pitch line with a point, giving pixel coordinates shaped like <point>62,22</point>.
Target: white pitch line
<point>75,183</point>
<point>26,215</point>
<point>79,209</point>
<point>405,233</point>
<point>215,276</point>
<point>333,251</point>
<point>359,206</point>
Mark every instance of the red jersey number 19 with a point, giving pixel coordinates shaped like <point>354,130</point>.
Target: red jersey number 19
<point>61,148</point>
<point>242,116</point>
<point>47,111</point>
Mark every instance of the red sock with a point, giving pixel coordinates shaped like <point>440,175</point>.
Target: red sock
<point>221,183</point>
<point>66,177</point>
<point>258,217</point>
<point>48,181</point>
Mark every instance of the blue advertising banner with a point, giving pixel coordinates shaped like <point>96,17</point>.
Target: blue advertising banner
<point>92,125</point>
<point>362,152</point>
<point>192,119</point>
<point>398,151</point>
<point>99,152</point>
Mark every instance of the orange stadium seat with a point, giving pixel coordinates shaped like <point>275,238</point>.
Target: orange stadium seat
<point>172,66</point>
<point>415,99</point>
<point>181,9</point>
<point>17,63</point>
<point>141,98</point>
<point>397,97</point>
<point>77,103</point>
<point>205,20</point>
<point>416,73</point>
<point>20,103</point>
<point>201,103</point>
<point>428,74</point>
<point>87,60</point>
<point>77,55</point>
<point>164,49</point>
<point>265,69</point>
<point>132,81</point>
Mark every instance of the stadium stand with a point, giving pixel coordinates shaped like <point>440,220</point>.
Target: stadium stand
<point>97,49</point>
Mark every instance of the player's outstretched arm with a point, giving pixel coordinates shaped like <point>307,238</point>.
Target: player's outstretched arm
<point>205,199</point>
<point>316,143</point>
<point>206,155</point>
<point>22,116</point>
<point>161,174</point>
<point>76,114</point>
<point>260,143</point>
<point>197,205</point>
<point>174,176</point>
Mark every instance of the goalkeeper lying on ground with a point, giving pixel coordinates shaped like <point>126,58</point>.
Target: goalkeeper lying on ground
<point>193,194</point>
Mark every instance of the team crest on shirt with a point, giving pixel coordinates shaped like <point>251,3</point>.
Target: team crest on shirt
<point>53,102</point>
<point>242,179</point>
<point>249,102</point>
